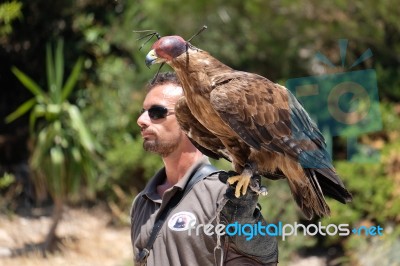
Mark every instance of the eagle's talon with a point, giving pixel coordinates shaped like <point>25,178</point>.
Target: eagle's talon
<point>233,179</point>
<point>256,186</point>
<point>237,192</point>
<point>263,191</point>
<point>243,182</point>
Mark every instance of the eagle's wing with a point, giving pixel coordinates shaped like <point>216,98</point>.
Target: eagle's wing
<point>266,115</point>
<point>201,137</point>
<point>259,111</point>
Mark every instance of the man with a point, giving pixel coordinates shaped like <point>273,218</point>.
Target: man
<point>181,240</point>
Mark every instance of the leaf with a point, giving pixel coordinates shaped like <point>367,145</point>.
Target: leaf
<point>49,70</point>
<point>59,67</point>
<point>74,176</point>
<point>41,148</point>
<point>28,83</point>
<point>80,128</point>
<point>57,156</point>
<point>72,79</point>
<point>6,180</point>
<point>21,110</point>
<point>38,111</point>
<point>76,155</point>
<point>57,167</point>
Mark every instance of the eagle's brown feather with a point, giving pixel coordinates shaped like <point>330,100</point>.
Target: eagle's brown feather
<point>200,136</point>
<point>256,121</point>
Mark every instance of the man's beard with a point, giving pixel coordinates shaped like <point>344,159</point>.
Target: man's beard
<point>160,148</point>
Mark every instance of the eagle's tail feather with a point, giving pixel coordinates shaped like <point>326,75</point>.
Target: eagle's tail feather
<point>322,207</point>
<point>335,190</point>
<point>309,197</point>
<point>318,191</point>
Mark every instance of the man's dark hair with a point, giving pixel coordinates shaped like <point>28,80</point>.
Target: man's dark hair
<point>163,78</point>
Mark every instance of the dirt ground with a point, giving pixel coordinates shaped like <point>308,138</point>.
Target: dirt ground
<point>88,239</point>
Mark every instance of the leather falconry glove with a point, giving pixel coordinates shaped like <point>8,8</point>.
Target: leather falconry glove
<point>245,210</point>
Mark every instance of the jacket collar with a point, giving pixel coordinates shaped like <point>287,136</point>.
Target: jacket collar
<point>150,191</point>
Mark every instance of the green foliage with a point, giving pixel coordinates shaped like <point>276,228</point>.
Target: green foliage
<point>9,11</point>
<point>128,153</point>
<point>111,107</point>
<point>371,190</point>
<point>6,180</point>
<point>113,99</point>
<point>390,117</point>
<point>64,151</point>
<point>376,201</point>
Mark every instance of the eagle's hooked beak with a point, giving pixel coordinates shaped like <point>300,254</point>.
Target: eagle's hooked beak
<point>151,58</point>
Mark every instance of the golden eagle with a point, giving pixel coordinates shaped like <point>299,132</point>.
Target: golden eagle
<point>255,123</point>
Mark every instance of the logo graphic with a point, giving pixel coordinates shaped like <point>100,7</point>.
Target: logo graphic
<point>181,221</point>
<point>342,104</point>
<point>249,231</point>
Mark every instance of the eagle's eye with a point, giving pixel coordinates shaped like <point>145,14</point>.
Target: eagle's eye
<point>169,47</point>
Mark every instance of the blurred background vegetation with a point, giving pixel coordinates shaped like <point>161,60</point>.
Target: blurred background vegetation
<point>276,39</point>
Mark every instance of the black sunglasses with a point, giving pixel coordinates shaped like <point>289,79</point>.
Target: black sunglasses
<point>157,112</point>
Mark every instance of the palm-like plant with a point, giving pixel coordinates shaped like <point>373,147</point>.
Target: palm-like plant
<point>63,155</point>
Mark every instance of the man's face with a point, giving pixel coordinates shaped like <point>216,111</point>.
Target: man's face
<point>161,135</point>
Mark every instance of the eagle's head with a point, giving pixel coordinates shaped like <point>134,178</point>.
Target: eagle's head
<point>166,49</point>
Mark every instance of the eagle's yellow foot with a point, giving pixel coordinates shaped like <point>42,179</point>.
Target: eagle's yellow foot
<point>243,182</point>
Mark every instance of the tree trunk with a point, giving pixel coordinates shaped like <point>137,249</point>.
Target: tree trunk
<point>51,238</point>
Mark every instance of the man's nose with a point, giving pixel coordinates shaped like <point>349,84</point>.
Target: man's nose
<point>143,120</point>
